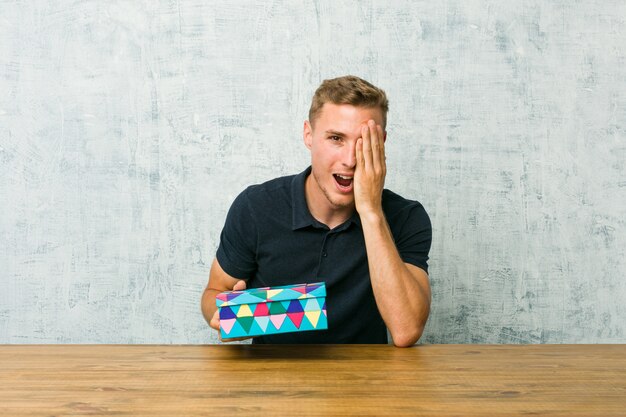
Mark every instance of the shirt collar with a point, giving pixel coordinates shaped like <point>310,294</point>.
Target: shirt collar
<point>301,216</point>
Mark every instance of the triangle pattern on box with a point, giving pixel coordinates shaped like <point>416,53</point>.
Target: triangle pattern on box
<point>277,320</point>
<point>296,318</point>
<point>262,321</point>
<point>277,308</point>
<point>272,310</point>
<point>246,323</point>
<point>227,325</point>
<point>244,311</point>
<point>313,317</point>
<point>261,310</point>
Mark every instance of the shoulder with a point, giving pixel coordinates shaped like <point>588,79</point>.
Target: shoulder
<point>269,190</point>
<point>393,203</point>
<point>398,209</point>
<point>270,195</point>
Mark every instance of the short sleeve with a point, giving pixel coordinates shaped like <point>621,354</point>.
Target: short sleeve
<point>414,237</point>
<point>236,252</point>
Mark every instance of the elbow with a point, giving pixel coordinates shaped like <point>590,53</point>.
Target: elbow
<point>407,338</point>
<point>409,332</point>
<point>403,343</point>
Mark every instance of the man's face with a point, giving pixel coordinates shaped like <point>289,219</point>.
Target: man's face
<point>332,141</point>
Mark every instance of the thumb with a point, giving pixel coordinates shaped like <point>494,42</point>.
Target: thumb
<point>215,320</point>
<point>239,285</point>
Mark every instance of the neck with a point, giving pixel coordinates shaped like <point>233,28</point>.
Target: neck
<point>323,210</point>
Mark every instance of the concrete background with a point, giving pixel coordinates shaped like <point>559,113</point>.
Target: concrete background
<point>127,128</point>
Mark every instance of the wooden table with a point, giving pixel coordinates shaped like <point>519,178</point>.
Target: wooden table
<point>429,380</point>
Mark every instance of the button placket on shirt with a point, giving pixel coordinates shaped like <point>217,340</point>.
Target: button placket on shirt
<point>324,252</point>
<point>323,258</point>
<point>330,234</point>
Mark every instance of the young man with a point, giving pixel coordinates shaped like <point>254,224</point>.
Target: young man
<point>335,223</point>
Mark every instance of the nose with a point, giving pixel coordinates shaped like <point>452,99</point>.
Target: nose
<point>349,155</point>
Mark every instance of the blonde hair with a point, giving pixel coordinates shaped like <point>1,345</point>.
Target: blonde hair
<point>348,90</point>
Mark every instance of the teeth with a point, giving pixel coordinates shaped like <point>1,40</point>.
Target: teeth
<point>344,178</point>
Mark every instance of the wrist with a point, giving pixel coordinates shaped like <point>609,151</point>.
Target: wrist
<point>372,216</point>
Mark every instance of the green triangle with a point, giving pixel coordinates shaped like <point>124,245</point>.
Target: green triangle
<point>277,308</point>
<point>262,294</point>
<point>246,323</point>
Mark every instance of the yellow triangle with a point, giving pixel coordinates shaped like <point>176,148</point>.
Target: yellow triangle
<point>244,311</point>
<point>313,317</point>
<point>273,293</point>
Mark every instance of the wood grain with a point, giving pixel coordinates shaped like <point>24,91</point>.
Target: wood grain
<point>445,380</point>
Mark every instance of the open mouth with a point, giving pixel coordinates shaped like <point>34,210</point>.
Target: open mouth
<point>344,182</point>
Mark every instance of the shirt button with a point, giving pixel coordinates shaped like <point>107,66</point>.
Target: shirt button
<point>324,254</point>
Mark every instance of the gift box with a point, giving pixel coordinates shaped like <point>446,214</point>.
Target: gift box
<point>271,310</point>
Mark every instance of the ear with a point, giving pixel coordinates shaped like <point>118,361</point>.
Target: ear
<point>308,134</point>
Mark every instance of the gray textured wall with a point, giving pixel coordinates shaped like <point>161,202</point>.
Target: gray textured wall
<point>127,128</point>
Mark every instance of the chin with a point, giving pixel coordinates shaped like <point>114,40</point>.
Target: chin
<point>336,198</point>
<point>341,201</point>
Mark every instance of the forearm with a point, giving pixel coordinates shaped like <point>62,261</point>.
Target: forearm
<point>208,303</point>
<point>402,294</point>
<point>219,281</point>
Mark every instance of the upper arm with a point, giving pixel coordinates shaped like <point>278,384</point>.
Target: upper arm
<point>413,238</point>
<point>237,249</point>
<point>421,277</point>
<point>235,254</point>
<point>219,280</point>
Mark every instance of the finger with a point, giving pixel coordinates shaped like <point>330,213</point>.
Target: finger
<point>381,137</point>
<point>215,324</point>
<point>239,286</point>
<point>215,320</point>
<point>367,148</point>
<point>359,153</point>
<point>381,142</point>
<point>375,140</point>
<point>373,135</point>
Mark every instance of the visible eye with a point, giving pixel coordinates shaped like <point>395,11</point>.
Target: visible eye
<point>335,138</point>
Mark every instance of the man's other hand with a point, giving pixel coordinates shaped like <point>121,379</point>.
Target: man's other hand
<point>215,320</point>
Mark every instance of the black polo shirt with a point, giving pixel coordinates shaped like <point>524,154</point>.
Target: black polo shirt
<point>270,238</point>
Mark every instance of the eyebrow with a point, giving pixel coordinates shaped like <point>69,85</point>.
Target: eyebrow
<point>335,133</point>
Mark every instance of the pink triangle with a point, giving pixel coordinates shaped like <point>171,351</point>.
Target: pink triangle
<point>261,310</point>
<point>301,289</point>
<point>296,318</point>
<point>277,320</point>
<point>227,325</point>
